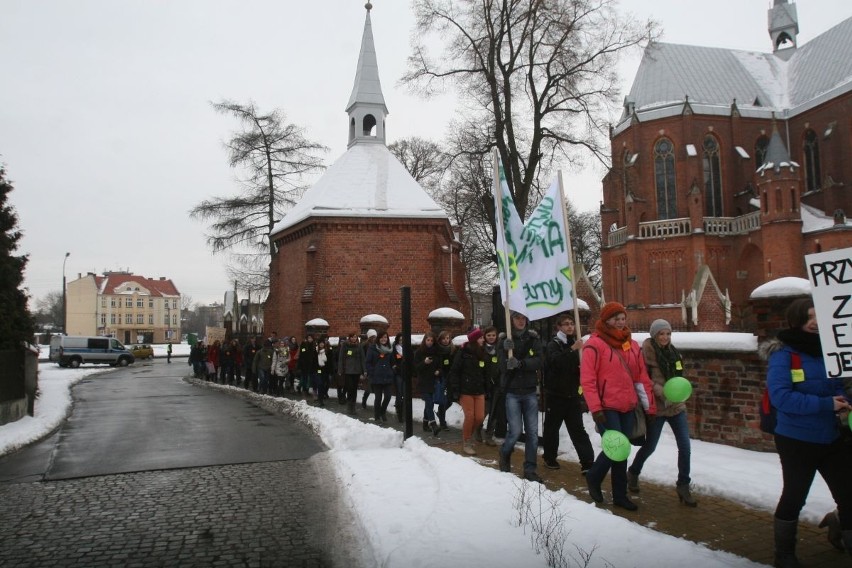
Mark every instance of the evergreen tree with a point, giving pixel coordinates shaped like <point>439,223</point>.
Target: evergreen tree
<point>16,324</point>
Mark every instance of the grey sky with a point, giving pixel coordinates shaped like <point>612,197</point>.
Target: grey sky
<point>109,138</point>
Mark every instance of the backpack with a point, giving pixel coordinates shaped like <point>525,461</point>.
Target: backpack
<point>768,414</point>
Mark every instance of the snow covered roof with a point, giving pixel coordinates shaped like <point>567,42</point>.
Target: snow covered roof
<point>760,83</point>
<point>781,287</point>
<point>814,219</point>
<point>366,181</point>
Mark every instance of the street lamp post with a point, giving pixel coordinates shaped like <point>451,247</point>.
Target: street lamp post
<point>168,321</point>
<point>64,297</point>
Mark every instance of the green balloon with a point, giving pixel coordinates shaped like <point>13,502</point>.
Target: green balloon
<point>677,389</point>
<point>615,445</point>
<point>850,420</point>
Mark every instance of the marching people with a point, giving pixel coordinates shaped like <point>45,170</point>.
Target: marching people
<point>198,358</point>
<point>324,369</point>
<point>339,376</point>
<point>564,402</point>
<point>292,365</point>
<point>238,361</point>
<point>397,376</point>
<point>611,369</point>
<point>213,360</point>
<point>380,374</point>
<point>280,368</point>
<point>262,366</point>
<point>467,386</point>
<point>807,430</point>
<point>226,361</point>
<point>427,367</point>
<point>307,364</point>
<point>249,351</point>
<point>446,351</point>
<point>495,398</point>
<point>663,361</point>
<point>352,365</point>
<point>521,358</point>
<point>372,334</point>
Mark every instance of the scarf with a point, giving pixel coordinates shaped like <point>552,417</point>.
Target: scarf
<point>614,337</point>
<point>384,348</point>
<point>800,340</point>
<point>666,358</point>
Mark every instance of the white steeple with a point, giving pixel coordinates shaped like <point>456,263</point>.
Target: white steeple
<point>783,28</point>
<point>366,106</point>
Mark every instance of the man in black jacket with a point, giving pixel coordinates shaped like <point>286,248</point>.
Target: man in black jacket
<point>564,400</point>
<point>520,379</point>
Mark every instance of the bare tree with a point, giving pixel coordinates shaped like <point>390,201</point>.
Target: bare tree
<point>48,310</point>
<point>540,73</point>
<point>425,160</point>
<point>272,158</point>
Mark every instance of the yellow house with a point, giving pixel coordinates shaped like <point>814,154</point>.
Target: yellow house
<point>129,307</point>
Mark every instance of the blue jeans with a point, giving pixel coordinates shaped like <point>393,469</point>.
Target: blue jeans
<point>623,422</point>
<point>522,409</point>
<point>263,380</point>
<point>428,407</point>
<point>680,429</point>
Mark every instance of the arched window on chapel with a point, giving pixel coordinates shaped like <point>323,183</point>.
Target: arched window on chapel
<point>712,178</point>
<point>664,179</point>
<point>812,170</point>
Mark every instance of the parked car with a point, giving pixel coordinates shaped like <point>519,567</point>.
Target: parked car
<point>142,351</point>
<point>68,351</point>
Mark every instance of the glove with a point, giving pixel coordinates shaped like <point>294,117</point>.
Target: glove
<point>513,363</point>
<point>599,417</point>
<point>508,344</point>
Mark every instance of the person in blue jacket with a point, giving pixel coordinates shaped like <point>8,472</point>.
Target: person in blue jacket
<point>807,432</point>
<point>380,362</point>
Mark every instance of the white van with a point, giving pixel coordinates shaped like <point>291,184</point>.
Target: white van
<point>74,351</point>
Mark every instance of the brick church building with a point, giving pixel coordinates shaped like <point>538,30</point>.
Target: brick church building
<point>363,231</point>
<point>728,168</point>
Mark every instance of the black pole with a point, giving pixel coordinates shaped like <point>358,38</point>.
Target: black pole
<point>406,358</point>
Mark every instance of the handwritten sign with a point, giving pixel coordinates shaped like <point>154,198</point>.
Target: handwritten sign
<point>830,274</point>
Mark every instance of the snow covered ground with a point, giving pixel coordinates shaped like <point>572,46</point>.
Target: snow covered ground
<point>418,503</point>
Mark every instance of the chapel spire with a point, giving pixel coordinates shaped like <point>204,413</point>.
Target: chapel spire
<point>783,28</point>
<point>366,107</point>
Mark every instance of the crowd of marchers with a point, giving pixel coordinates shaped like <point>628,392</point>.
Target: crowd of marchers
<point>503,381</point>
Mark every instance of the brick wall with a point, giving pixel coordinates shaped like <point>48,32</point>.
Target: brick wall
<point>343,269</point>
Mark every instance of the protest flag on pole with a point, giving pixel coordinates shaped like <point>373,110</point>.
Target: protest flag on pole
<point>508,228</point>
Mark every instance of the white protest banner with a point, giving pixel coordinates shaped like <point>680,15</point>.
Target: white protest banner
<point>509,229</point>
<point>543,258</point>
<point>213,334</point>
<point>830,274</point>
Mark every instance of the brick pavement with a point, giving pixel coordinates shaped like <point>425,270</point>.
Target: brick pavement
<point>249,515</point>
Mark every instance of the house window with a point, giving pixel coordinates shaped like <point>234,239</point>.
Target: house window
<point>112,318</point>
<point>174,304</point>
<point>150,302</point>
<point>119,319</point>
<point>150,319</point>
<point>140,318</point>
<point>103,302</point>
<point>812,173</point>
<point>128,302</point>
<point>166,320</point>
<point>760,150</point>
<point>103,319</point>
<point>112,302</point>
<point>139,303</point>
<point>664,179</point>
<point>712,178</point>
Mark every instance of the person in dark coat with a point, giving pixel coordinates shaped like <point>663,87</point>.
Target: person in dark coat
<point>564,402</point>
<point>520,381</point>
<point>308,365</point>
<point>249,351</point>
<point>380,375</point>
<point>446,351</point>
<point>467,386</point>
<point>495,398</point>
<point>352,365</point>
<point>427,368</point>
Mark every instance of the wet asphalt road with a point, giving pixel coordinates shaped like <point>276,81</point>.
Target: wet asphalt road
<point>152,471</point>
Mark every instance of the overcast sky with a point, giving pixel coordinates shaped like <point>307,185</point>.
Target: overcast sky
<point>108,136</point>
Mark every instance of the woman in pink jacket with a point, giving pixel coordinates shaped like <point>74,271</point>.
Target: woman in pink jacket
<point>614,380</point>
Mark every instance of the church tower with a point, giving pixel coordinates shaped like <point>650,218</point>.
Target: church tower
<point>783,29</point>
<point>364,230</point>
<point>366,107</point>
<point>779,186</point>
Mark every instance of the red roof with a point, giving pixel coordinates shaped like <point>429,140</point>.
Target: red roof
<point>116,282</point>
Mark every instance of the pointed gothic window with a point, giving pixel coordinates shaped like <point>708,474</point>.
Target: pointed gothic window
<point>760,151</point>
<point>712,178</point>
<point>812,173</point>
<point>664,179</point>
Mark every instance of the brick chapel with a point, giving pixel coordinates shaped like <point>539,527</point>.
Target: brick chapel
<point>728,168</point>
<point>364,230</point>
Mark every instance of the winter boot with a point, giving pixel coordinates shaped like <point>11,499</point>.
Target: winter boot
<point>468,448</point>
<point>425,425</point>
<point>832,521</point>
<point>505,462</point>
<point>351,407</point>
<point>785,544</point>
<point>685,496</point>
<point>633,482</point>
<point>435,428</point>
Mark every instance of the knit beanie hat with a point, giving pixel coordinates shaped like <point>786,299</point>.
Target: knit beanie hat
<point>371,333</point>
<point>474,335</point>
<point>658,326</point>
<point>611,309</point>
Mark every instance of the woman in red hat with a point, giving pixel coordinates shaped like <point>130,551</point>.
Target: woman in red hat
<point>467,386</point>
<point>614,380</point>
